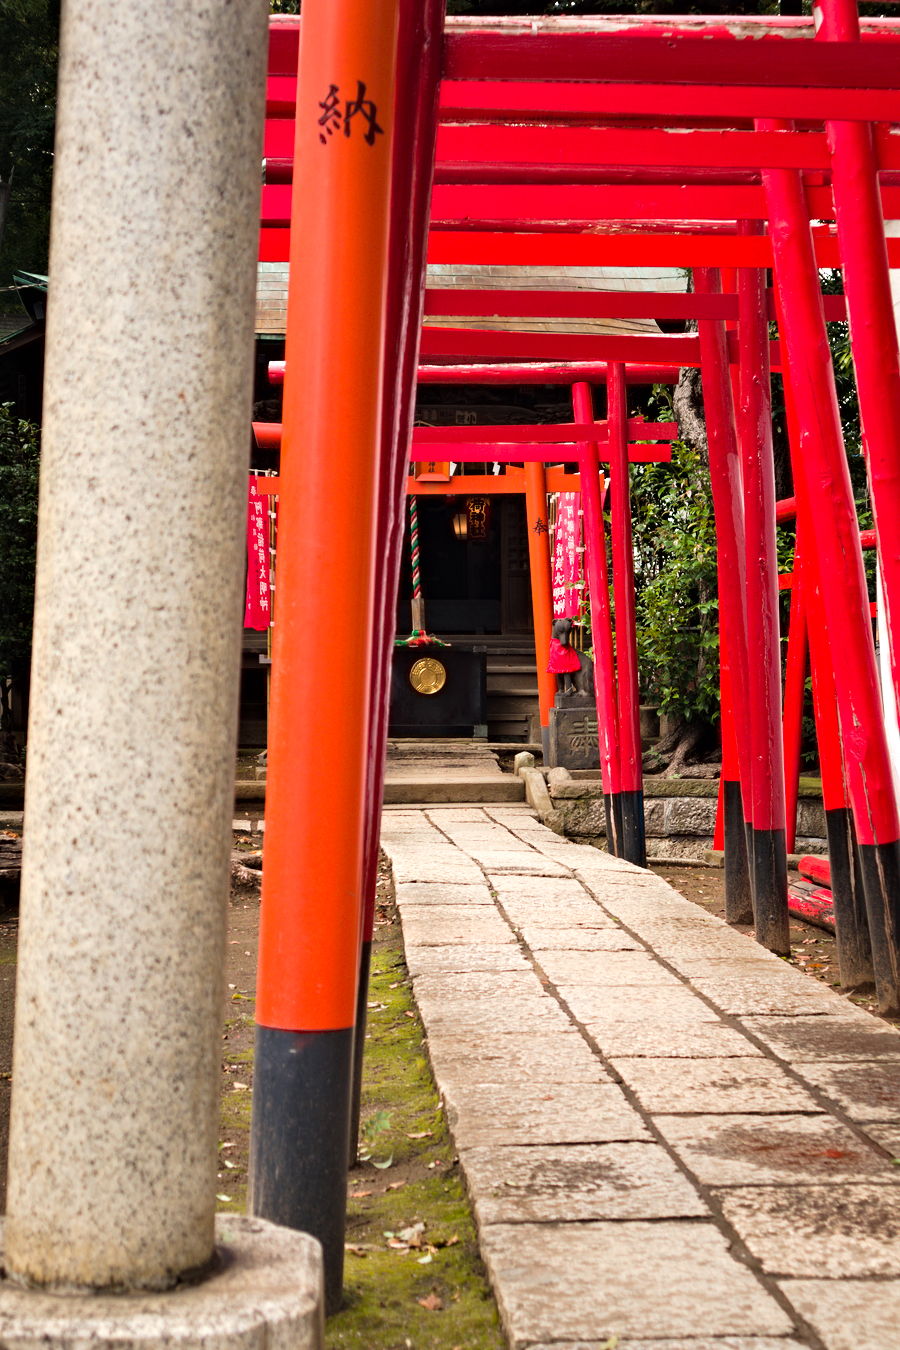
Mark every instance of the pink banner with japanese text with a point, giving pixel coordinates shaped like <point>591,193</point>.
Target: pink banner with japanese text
<point>567,556</point>
<point>258,606</point>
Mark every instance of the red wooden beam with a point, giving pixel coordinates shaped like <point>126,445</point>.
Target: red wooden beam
<point>677,58</point>
<point>534,101</point>
<point>536,372</point>
<point>464,152</point>
<point>489,452</point>
<point>564,304</point>
<point>534,206</point>
<point>553,433</point>
<point>484,342</point>
<point>539,372</point>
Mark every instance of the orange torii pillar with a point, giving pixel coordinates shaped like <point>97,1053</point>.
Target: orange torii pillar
<point>541,590</point>
<point>313,859</point>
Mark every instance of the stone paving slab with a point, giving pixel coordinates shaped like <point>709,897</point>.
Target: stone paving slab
<point>463,959</point>
<point>847,1035</point>
<point>540,938</point>
<point>595,1281</point>
<point>866,1091</point>
<point>508,985</point>
<point>659,1037</point>
<point>609,969</point>
<point>574,913</point>
<point>435,893</point>
<point>514,1058</point>
<point>888,1136</point>
<point>636,1003</point>
<point>743,1150</point>
<point>849,1314</point>
<point>714,1086</point>
<point>490,1016</point>
<point>664,1129</point>
<point>704,1343</point>
<point>438,926</point>
<point>482,1114</point>
<point>540,1184</point>
<point>821,1231</point>
<point>751,991</point>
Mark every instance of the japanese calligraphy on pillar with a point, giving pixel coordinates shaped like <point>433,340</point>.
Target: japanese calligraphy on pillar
<point>258,605</point>
<point>567,556</point>
<point>344,115</point>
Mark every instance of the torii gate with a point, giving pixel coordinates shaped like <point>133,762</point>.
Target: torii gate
<point>566,184</point>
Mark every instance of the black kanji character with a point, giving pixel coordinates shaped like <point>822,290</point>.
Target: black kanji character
<point>369,111</point>
<point>331,112</point>
<point>540,526</point>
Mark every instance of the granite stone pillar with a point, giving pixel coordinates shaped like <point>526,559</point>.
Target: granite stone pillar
<point>136,657</point>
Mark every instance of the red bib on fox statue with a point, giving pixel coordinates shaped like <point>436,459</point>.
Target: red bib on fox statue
<point>563,658</point>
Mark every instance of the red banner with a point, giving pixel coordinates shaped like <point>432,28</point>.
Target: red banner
<point>567,556</point>
<point>258,606</point>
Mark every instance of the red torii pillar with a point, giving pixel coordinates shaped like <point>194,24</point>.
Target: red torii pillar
<point>601,623</point>
<point>631,780</point>
<point>766,841</point>
<point>725,484</point>
<point>821,472</point>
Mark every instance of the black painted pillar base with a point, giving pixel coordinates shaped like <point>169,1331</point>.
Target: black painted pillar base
<point>738,894</point>
<point>768,870</point>
<point>613,823</point>
<point>359,1045</point>
<point>634,844</point>
<point>854,948</point>
<point>299,1138</point>
<point>880,868</point>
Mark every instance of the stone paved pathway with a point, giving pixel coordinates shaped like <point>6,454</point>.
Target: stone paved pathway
<point>672,1139</point>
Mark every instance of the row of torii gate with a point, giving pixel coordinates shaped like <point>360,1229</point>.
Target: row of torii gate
<point>730,147</point>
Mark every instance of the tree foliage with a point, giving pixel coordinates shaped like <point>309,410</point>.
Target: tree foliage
<point>19,458</point>
<point>30,30</point>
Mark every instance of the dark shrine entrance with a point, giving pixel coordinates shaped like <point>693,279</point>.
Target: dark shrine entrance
<point>471,587</point>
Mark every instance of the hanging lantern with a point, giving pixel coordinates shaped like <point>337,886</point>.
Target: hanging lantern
<point>460,522</point>
<point>478,517</point>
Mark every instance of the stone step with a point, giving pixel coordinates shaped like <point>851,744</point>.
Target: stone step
<point>422,791</point>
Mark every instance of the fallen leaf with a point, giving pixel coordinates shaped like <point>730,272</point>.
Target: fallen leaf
<point>239,1087</point>
<point>412,1236</point>
<point>226,1199</point>
<point>421,1134</point>
<point>395,1185</point>
<point>355,1251</point>
<point>424,1260</point>
<point>382,1165</point>
<point>432,1303</point>
<point>359,1195</point>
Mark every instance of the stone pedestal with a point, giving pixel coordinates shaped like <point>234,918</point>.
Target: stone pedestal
<point>265,1288</point>
<point>573,733</point>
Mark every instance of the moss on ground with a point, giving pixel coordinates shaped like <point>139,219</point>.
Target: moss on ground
<point>432,1294</point>
<point>406,1287</point>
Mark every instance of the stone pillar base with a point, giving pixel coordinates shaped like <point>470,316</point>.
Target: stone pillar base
<point>267,1290</point>
<point>573,734</point>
